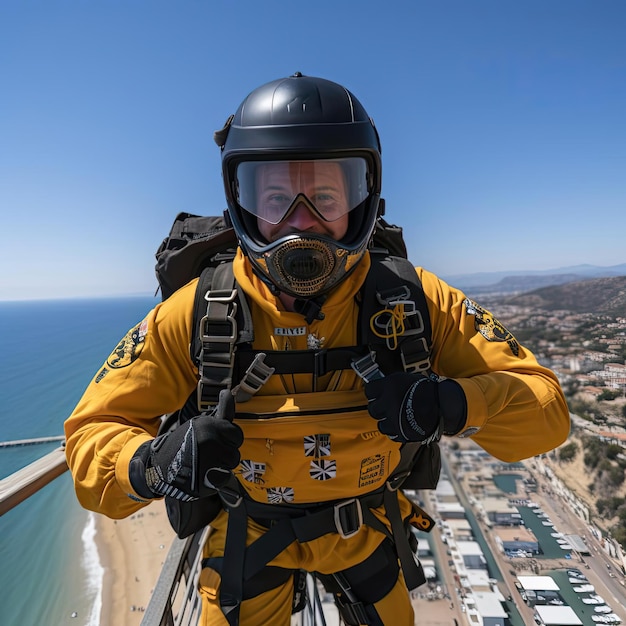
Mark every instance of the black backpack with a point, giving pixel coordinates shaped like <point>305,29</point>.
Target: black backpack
<point>203,247</point>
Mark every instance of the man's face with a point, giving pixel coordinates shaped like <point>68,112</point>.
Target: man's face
<point>324,186</point>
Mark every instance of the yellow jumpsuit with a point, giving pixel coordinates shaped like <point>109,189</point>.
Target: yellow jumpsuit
<point>317,446</point>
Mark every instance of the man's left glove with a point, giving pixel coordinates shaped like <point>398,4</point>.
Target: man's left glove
<point>414,407</point>
<point>192,460</point>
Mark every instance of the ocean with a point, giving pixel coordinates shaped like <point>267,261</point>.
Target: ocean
<point>50,571</point>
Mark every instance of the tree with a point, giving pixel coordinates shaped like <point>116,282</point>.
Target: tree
<point>568,452</point>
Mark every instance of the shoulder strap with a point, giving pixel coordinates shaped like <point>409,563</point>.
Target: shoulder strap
<point>221,320</point>
<point>394,318</point>
<point>396,322</point>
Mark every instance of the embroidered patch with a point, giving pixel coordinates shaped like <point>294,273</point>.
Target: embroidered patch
<point>323,469</point>
<point>101,374</point>
<point>252,471</point>
<point>290,332</point>
<point>373,469</point>
<point>313,342</point>
<point>317,445</point>
<point>129,348</point>
<point>278,495</point>
<point>489,327</point>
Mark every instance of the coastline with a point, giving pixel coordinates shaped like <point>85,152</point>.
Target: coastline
<point>132,552</point>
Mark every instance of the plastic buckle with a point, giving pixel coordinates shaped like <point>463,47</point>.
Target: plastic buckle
<point>255,377</point>
<point>231,498</point>
<point>348,518</point>
<point>391,298</point>
<point>367,368</point>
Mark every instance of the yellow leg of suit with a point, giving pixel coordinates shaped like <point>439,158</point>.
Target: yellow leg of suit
<point>328,554</point>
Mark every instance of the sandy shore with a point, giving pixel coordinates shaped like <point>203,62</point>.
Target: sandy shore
<point>132,551</point>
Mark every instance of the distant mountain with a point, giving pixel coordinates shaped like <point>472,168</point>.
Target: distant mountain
<point>598,295</point>
<point>521,280</point>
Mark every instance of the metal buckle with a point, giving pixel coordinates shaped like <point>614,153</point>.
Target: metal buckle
<point>210,296</point>
<point>343,517</point>
<point>217,360</point>
<point>229,319</point>
<point>421,365</point>
<point>201,390</point>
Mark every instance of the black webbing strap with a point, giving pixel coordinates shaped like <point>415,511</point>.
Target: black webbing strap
<point>412,569</point>
<point>231,589</point>
<point>391,281</point>
<point>269,578</point>
<point>222,320</point>
<point>317,362</point>
<point>241,563</point>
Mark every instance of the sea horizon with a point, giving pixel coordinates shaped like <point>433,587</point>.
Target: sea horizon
<point>52,572</point>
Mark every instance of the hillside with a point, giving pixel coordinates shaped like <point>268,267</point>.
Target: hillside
<point>596,476</point>
<point>604,296</point>
<point>525,280</point>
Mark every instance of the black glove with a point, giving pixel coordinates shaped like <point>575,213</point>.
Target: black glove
<point>192,460</point>
<point>414,407</point>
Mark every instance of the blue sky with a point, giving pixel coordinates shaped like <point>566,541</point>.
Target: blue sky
<point>503,125</point>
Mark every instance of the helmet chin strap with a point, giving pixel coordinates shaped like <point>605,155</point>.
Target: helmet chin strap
<point>311,308</point>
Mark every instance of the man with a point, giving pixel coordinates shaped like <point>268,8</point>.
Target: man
<point>307,468</point>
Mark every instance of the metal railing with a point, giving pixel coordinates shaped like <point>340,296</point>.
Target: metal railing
<point>174,601</point>
<point>182,564</point>
<point>22,484</point>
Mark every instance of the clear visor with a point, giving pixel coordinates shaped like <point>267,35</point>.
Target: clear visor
<point>270,190</point>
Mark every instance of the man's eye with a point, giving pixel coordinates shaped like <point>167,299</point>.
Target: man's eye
<point>322,199</point>
<point>277,198</point>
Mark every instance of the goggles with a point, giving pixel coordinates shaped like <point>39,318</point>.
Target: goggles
<point>331,188</point>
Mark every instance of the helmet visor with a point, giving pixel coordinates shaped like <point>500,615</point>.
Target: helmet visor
<point>270,190</point>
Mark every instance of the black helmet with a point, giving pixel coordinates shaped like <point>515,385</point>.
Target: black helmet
<point>301,122</point>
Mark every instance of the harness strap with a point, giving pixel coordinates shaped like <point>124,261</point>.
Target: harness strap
<point>411,567</point>
<point>317,362</point>
<point>231,591</point>
<point>270,578</point>
<point>241,564</point>
<point>391,282</point>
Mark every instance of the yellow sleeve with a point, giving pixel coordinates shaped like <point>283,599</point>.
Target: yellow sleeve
<point>516,408</point>
<point>149,373</point>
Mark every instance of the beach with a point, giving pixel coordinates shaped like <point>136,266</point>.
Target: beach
<point>132,552</point>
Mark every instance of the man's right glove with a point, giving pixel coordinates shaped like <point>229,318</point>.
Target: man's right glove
<point>414,407</point>
<point>192,460</point>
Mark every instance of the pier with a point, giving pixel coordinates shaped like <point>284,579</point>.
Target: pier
<point>30,442</point>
